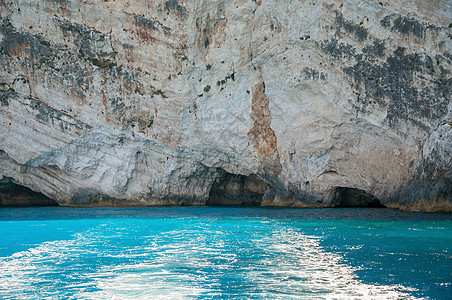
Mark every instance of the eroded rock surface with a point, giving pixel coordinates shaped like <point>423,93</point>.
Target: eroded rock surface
<point>168,102</point>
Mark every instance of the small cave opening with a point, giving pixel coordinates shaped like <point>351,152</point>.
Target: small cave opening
<point>231,189</point>
<point>352,197</point>
<point>13,194</point>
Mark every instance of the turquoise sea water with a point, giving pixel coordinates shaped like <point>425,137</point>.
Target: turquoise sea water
<point>224,253</point>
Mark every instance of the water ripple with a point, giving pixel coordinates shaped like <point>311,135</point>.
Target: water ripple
<point>165,259</point>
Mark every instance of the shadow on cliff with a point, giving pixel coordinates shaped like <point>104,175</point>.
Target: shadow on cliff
<point>13,194</point>
<point>231,189</point>
<point>352,197</point>
<point>240,190</point>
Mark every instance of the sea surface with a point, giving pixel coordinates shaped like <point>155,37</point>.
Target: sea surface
<point>224,253</point>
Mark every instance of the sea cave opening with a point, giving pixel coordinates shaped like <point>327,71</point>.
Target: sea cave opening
<point>352,197</point>
<point>13,194</point>
<point>232,189</point>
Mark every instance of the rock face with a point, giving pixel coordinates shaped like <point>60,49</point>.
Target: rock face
<point>285,103</point>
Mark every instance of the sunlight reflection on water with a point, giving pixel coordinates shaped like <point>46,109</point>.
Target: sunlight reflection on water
<point>154,259</point>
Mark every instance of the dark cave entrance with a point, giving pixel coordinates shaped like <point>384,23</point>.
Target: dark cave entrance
<point>351,197</point>
<point>231,189</point>
<point>13,194</point>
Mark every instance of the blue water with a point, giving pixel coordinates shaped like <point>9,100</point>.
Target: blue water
<point>224,253</point>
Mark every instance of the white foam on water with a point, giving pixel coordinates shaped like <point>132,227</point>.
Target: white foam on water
<point>289,265</point>
<point>323,274</point>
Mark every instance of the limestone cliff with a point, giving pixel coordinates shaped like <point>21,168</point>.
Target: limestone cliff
<point>290,102</point>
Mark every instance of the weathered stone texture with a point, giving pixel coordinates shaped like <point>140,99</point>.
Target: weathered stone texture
<point>177,102</point>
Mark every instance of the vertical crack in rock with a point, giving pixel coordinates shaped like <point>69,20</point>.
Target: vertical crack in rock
<point>105,103</point>
<point>261,134</point>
